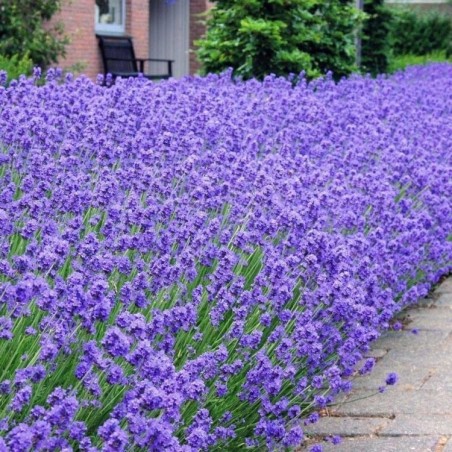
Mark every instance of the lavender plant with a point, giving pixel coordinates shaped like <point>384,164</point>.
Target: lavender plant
<point>200,264</point>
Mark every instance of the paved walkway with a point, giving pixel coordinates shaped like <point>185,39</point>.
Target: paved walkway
<point>416,413</point>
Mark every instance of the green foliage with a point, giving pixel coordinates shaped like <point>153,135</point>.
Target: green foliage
<point>16,66</point>
<point>420,35</point>
<point>400,62</point>
<point>22,30</point>
<point>259,37</point>
<point>376,44</point>
<point>394,38</point>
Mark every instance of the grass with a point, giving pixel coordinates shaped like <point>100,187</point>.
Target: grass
<point>400,62</point>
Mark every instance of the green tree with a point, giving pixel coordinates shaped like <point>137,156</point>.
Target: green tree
<point>23,30</point>
<point>258,37</point>
<point>420,34</point>
<point>376,41</point>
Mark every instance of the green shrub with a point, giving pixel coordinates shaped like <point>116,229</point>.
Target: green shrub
<point>16,66</point>
<point>22,30</point>
<point>257,37</point>
<point>376,43</point>
<point>420,35</point>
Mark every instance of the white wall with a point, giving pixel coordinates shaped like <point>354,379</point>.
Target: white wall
<point>169,24</point>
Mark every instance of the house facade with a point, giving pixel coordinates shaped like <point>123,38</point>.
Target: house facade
<point>160,29</point>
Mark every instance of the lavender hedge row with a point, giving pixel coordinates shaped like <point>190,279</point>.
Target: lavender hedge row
<point>200,264</point>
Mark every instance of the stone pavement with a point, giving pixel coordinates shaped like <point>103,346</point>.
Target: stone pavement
<point>416,413</point>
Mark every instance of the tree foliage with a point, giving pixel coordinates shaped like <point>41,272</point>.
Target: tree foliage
<point>376,37</point>
<point>258,37</point>
<point>15,66</point>
<point>23,30</point>
<point>418,34</point>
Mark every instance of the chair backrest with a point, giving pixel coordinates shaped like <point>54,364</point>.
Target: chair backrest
<point>114,49</point>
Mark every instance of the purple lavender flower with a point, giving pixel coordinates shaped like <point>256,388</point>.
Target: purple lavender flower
<point>367,366</point>
<point>20,438</point>
<point>6,326</point>
<point>294,437</point>
<point>116,342</point>
<point>21,398</point>
<point>115,438</point>
<point>5,387</point>
<point>252,253</point>
<point>316,448</point>
<point>391,379</point>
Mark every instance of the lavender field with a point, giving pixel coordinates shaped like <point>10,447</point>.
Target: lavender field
<point>200,264</point>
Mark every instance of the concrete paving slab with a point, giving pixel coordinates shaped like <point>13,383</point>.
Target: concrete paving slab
<point>346,426</point>
<point>448,446</point>
<point>388,444</point>
<point>398,339</point>
<point>410,376</point>
<point>415,414</point>
<point>425,302</point>
<point>376,353</point>
<point>440,381</point>
<point>414,425</point>
<point>431,319</point>
<point>444,301</point>
<point>421,357</point>
<point>394,401</point>
<point>445,286</point>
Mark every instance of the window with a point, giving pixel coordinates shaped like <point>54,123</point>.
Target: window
<point>110,16</point>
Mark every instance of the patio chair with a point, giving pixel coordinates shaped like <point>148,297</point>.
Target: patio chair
<point>119,59</point>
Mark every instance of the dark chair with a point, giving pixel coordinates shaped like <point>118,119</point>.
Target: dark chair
<point>119,59</point>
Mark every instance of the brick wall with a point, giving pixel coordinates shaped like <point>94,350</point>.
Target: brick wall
<point>77,17</point>
<point>137,26</point>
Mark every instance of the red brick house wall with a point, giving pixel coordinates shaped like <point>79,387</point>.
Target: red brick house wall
<point>77,17</point>
<point>78,20</point>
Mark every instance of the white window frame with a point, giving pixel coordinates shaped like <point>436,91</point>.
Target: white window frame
<point>110,28</point>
